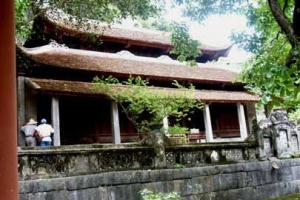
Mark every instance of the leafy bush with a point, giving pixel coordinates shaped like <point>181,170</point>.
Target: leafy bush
<point>176,129</point>
<point>295,116</point>
<point>150,195</point>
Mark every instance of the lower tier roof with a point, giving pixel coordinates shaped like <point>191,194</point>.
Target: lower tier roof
<point>61,87</point>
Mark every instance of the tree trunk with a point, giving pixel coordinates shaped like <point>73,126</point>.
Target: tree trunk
<point>291,30</point>
<point>296,19</point>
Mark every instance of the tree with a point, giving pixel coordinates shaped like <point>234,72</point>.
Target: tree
<point>274,71</point>
<point>146,106</point>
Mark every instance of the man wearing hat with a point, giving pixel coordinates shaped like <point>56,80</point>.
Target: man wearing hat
<point>29,129</point>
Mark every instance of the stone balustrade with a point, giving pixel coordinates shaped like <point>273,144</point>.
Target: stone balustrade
<point>65,161</point>
<point>210,153</point>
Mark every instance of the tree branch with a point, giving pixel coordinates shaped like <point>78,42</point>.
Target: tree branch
<point>40,11</point>
<point>276,38</point>
<point>283,22</point>
<point>286,2</point>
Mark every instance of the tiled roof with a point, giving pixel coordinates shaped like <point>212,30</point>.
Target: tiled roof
<point>125,65</point>
<point>84,88</point>
<point>131,35</point>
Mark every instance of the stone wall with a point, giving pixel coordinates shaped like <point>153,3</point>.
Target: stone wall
<point>242,181</point>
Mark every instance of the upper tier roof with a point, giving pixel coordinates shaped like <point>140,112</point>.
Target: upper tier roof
<point>123,64</point>
<point>131,36</point>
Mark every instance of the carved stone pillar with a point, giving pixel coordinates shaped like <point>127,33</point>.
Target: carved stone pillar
<point>55,120</point>
<point>207,123</point>
<point>115,125</point>
<point>242,121</point>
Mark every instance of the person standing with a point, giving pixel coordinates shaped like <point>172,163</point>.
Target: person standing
<point>29,129</point>
<point>44,132</point>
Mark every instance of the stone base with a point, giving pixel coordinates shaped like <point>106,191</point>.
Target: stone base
<point>251,181</point>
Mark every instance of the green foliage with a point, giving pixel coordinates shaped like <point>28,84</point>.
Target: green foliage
<point>177,129</point>
<point>186,48</point>
<point>106,11</point>
<point>159,23</point>
<point>198,10</point>
<point>22,18</point>
<point>294,196</point>
<point>147,106</point>
<point>264,28</point>
<point>295,116</point>
<point>178,166</point>
<point>211,195</point>
<point>150,195</point>
<point>267,75</point>
<point>274,70</point>
<point>110,10</point>
<point>177,135</point>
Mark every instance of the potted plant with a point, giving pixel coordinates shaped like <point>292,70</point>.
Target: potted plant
<point>177,134</point>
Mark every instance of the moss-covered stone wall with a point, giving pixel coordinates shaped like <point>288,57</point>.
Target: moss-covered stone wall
<point>241,181</point>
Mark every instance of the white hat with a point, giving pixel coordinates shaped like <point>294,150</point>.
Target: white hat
<point>32,121</point>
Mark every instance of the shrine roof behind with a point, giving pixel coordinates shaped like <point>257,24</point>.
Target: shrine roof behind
<point>130,35</point>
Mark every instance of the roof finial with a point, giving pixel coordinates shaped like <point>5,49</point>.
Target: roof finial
<point>125,53</point>
<point>54,44</point>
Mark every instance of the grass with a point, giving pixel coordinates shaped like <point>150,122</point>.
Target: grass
<point>295,196</point>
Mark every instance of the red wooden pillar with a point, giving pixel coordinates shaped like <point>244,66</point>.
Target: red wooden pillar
<point>8,106</point>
